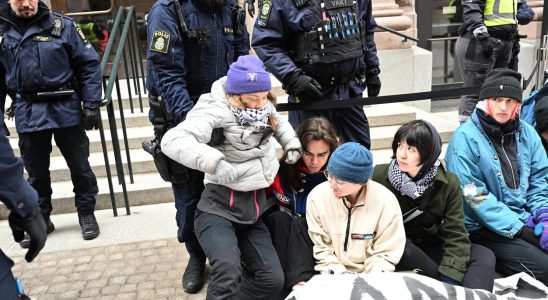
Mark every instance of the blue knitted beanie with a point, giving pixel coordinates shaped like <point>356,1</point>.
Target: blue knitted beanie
<point>351,162</point>
<point>247,76</point>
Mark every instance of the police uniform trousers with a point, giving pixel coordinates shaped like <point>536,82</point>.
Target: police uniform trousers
<point>8,287</point>
<point>74,146</point>
<point>350,122</point>
<point>474,67</point>
<point>187,195</point>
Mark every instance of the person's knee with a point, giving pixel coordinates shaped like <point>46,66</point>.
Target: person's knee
<point>483,254</point>
<point>271,278</point>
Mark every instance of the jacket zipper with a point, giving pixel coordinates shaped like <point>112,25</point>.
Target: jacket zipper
<point>217,47</point>
<point>347,228</point>
<point>509,163</point>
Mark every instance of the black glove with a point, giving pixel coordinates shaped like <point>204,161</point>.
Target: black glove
<point>303,87</point>
<point>34,225</point>
<point>250,7</point>
<point>90,120</point>
<point>373,85</point>
<point>482,36</point>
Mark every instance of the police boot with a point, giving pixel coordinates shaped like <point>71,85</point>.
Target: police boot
<point>88,223</point>
<point>25,243</point>
<point>193,278</point>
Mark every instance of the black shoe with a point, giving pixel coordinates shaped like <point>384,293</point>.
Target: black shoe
<point>193,278</point>
<point>90,228</point>
<point>25,243</point>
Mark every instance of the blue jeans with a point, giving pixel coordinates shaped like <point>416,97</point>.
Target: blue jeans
<point>187,196</point>
<point>74,145</point>
<point>227,244</point>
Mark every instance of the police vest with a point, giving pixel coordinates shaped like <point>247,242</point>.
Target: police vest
<point>87,29</point>
<point>339,34</point>
<point>500,12</point>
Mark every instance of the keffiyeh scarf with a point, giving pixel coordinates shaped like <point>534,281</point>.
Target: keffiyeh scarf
<point>252,116</point>
<point>405,185</point>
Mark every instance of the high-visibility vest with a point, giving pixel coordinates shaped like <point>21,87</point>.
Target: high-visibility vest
<point>87,29</point>
<point>500,12</point>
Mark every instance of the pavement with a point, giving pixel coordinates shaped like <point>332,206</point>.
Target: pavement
<point>136,256</point>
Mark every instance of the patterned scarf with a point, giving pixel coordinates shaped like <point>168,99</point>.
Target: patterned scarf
<point>252,116</point>
<point>405,185</point>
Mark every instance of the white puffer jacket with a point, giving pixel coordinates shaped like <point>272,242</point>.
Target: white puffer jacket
<point>251,151</point>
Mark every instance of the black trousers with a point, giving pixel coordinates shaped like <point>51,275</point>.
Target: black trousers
<point>427,257</point>
<point>8,287</point>
<point>293,245</point>
<point>74,145</point>
<point>187,195</point>
<point>227,245</point>
<point>522,254</point>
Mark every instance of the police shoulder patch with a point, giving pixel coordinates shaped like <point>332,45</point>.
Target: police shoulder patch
<point>266,8</point>
<point>160,41</point>
<point>82,35</point>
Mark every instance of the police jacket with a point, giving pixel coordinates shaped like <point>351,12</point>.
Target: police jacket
<point>15,192</point>
<point>281,25</point>
<point>489,202</point>
<point>183,64</point>
<point>502,19</point>
<point>35,60</point>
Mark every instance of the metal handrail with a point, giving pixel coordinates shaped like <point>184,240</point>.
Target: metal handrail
<point>93,13</point>
<point>405,37</point>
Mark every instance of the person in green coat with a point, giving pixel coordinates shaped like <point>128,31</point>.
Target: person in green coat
<point>430,199</point>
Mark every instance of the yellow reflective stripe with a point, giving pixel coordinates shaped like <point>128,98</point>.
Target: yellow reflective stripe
<point>497,13</point>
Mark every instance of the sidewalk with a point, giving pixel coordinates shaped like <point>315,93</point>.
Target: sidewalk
<point>135,257</point>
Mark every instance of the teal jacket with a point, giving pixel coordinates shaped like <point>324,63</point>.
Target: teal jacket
<point>492,204</point>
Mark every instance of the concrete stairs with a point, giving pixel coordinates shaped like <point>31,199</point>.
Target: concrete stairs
<point>149,188</point>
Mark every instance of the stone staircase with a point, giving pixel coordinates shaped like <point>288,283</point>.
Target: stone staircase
<point>149,188</point>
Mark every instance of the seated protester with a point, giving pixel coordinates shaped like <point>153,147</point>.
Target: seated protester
<point>503,170</point>
<point>291,186</point>
<point>431,204</point>
<point>238,167</point>
<point>541,117</point>
<point>355,223</point>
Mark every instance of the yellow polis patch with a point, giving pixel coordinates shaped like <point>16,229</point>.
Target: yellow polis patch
<point>82,35</point>
<point>160,41</point>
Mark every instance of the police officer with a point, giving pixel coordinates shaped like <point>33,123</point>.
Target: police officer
<point>321,50</point>
<point>51,71</point>
<point>25,216</point>
<point>486,39</point>
<point>191,44</point>
<point>92,32</point>
<point>524,16</point>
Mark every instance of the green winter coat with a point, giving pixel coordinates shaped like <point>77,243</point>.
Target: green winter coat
<point>441,222</point>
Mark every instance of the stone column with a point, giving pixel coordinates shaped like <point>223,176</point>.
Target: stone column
<point>389,14</point>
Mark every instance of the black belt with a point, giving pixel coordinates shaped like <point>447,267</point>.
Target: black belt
<point>63,92</point>
<point>334,80</point>
<point>503,35</point>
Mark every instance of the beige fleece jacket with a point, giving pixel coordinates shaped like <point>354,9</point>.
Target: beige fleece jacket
<point>372,241</point>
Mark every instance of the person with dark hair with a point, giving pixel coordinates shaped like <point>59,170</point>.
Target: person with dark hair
<point>430,199</point>
<point>238,167</point>
<point>291,187</point>
<point>503,172</point>
<point>354,222</point>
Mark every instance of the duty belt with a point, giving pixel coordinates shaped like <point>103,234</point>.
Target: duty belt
<point>503,35</point>
<point>60,94</point>
<point>334,80</point>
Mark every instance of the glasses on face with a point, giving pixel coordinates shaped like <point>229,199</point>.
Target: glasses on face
<point>340,183</point>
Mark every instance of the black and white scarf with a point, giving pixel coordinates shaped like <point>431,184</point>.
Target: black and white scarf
<point>405,185</point>
<point>257,117</point>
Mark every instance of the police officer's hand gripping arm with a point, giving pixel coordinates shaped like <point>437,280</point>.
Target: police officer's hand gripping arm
<point>87,70</point>
<point>269,42</point>
<point>473,22</point>
<point>21,199</point>
<point>166,57</point>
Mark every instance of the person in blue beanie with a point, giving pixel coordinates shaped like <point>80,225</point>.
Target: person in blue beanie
<point>354,222</point>
<point>239,163</point>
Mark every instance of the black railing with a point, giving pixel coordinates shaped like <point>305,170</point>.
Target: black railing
<point>403,36</point>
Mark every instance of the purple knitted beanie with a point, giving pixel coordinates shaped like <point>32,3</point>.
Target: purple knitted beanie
<point>247,76</point>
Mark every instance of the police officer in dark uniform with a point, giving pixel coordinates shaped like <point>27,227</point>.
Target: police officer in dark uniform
<point>321,50</point>
<point>51,71</point>
<point>191,44</point>
<point>485,43</point>
<point>25,214</point>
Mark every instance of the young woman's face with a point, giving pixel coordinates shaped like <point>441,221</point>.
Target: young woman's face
<point>502,108</point>
<point>340,187</point>
<point>255,100</point>
<point>408,158</point>
<point>315,155</point>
